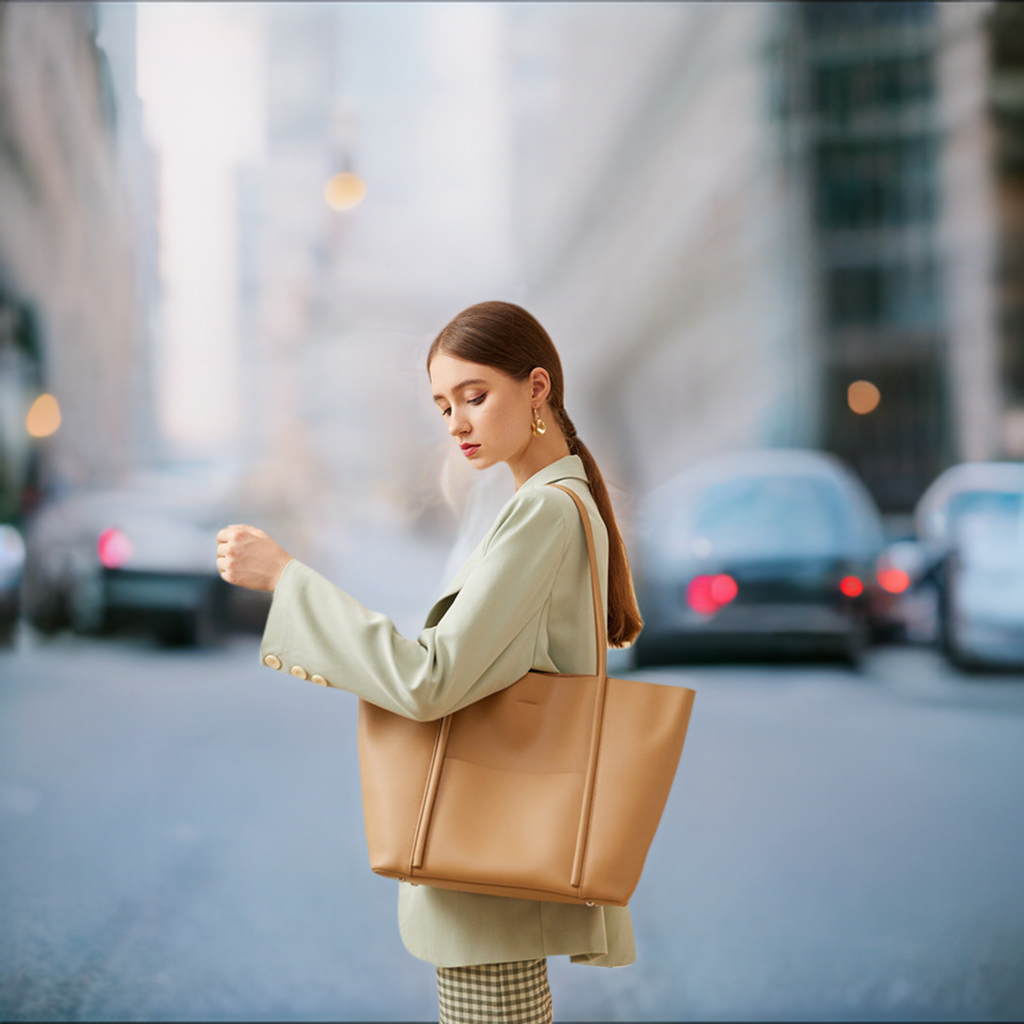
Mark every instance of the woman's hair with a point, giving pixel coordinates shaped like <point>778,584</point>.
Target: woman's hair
<point>506,337</point>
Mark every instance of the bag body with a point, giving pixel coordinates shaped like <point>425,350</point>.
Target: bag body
<point>551,789</point>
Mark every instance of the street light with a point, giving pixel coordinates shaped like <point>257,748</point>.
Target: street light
<point>43,417</point>
<point>344,191</point>
<point>863,397</point>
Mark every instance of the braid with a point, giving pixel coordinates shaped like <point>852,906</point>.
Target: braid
<point>566,424</point>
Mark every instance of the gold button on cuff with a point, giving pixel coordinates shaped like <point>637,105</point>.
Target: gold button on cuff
<point>272,660</point>
<point>300,672</point>
<point>319,680</point>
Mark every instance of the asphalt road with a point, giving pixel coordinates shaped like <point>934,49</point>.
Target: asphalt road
<point>181,838</point>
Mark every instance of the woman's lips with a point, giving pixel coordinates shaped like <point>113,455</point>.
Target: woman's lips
<point>469,449</point>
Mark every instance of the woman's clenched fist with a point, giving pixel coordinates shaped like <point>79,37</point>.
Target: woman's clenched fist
<point>247,557</point>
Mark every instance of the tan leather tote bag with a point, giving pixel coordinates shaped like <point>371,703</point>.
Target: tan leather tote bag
<point>549,789</point>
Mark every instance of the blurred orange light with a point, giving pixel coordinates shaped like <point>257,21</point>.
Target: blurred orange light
<point>851,586</point>
<point>43,417</point>
<point>344,191</point>
<point>114,548</point>
<point>863,397</point>
<point>893,580</point>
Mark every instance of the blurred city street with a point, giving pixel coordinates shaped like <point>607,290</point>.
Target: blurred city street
<point>182,838</point>
<point>779,251</point>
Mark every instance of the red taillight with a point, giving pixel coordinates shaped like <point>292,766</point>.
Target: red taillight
<point>706,594</point>
<point>893,580</point>
<point>851,586</point>
<point>114,548</point>
<point>723,588</point>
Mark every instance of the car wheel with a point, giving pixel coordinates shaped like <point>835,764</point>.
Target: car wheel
<point>856,642</point>
<point>85,604</point>
<point>640,652</point>
<point>955,653</point>
<point>49,612</point>
<point>8,625</point>
<point>889,633</point>
<point>202,626</point>
<point>176,631</point>
<point>203,629</point>
<point>948,639</point>
<point>650,651</point>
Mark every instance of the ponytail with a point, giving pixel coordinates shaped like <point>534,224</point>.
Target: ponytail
<point>508,338</point>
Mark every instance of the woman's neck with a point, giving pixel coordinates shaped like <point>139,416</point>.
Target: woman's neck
<point>540,452</point>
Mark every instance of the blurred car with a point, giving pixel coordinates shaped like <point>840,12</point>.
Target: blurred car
<point>965,487</point>
<point>963,491</point>
<point>903,570</point>
<point>12,559</point>
<point>119,560</point>
<point>983,613</point>
<point>774,550</point>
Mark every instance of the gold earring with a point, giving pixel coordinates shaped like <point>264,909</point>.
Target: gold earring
<point>538,426</point>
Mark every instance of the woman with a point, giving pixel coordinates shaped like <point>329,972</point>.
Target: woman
<point>522,601</point>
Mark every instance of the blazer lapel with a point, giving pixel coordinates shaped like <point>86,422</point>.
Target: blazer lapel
<point>443,603</point>
<point>569,467</point>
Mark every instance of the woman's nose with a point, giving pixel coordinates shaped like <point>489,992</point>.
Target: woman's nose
<point>457,423</point>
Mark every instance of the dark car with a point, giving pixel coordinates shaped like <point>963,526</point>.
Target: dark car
<point>760,552</point>
<point>123,560</point>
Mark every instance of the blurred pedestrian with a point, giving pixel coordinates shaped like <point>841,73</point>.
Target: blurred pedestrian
<point>523,601</point>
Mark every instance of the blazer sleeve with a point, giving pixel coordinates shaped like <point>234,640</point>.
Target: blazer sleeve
<point>486,639</point>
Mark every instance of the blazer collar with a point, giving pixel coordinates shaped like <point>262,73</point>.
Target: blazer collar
<point>570,466</point>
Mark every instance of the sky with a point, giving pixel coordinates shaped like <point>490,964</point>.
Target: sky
<point>199,79</point>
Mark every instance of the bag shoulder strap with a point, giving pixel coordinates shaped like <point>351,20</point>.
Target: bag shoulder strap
<point>601,633</point>
<point>600,620</point>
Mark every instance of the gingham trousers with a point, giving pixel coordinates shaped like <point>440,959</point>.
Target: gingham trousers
<point>509,993</point>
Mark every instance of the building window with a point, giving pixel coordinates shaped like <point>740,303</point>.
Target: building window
<point>876,184</point>
<point>904,296</point>
<point>858,86</point>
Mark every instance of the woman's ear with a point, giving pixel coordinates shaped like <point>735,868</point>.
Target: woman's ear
<point>540,384</point>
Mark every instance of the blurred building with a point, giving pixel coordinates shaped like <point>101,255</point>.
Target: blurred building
<point>861,114</point>
<point>729,214</point>
<point>68,280</point>
<point>1003,131</point>
<point>660,233</point>
<point>725,214</point>
<point>339,305</point>
<point>903,118</point>
<point>116,35</point>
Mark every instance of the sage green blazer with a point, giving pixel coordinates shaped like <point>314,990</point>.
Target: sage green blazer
<point>521,601</point>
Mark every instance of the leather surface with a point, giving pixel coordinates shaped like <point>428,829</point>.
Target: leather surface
<point>554,776</point>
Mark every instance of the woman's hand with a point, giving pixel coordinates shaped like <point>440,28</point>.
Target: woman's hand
<point>247,557</point>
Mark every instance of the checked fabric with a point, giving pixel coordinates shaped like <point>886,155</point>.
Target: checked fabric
<point>509,993</point>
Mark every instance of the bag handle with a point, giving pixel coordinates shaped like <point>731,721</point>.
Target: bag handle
<point>601,633</point>
<point>600,621</point>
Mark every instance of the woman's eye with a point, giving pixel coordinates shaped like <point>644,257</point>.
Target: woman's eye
<point>472,401</point>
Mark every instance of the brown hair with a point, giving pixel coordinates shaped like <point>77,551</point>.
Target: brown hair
<point>506,337</point>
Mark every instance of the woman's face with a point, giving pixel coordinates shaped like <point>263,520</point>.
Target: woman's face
<point>484,407</point>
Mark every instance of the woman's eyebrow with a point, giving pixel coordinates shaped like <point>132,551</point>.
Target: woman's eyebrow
<point>464,384</point>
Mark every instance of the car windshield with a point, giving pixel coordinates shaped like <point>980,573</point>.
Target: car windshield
<point>770,515</point>
<point>1006,503</point>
